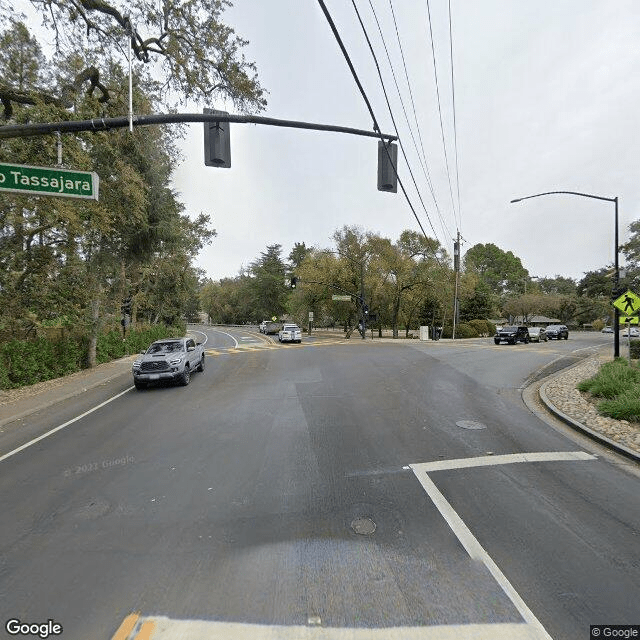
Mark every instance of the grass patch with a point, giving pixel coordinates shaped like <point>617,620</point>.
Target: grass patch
<point>618,382</point>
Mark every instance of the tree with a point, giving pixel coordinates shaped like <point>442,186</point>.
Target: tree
<point>596,284</point>
<point>524,306</point>
<point>75,261</point>
<point>22,63</point>
<point>558,285</point>
<point>267,282</point>
<point>408,265</point>
<point>199,57</point>
<point>298,254</point>
<point>500,270</point>
<point>480,305</point>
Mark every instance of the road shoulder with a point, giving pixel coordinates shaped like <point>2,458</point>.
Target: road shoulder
<point>18,403</point>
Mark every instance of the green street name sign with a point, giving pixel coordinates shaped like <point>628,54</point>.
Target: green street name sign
<point>45,181</point>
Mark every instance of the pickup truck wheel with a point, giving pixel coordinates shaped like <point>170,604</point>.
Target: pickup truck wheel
<point>201,365</point>
<point>140,385</point>
<point>185,378</point>
<point>497,341</point>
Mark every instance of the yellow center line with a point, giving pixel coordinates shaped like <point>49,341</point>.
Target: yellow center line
<point>126,627</point>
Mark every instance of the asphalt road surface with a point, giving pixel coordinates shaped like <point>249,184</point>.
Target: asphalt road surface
<point>334,489</point>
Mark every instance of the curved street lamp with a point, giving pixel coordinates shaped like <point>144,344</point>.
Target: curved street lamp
<point>616,322</point>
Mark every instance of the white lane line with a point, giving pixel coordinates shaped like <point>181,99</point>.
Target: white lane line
<point>477,552</point>
<point>66,424</point>
<point>167,629</point>
<point>226,334</point>
<point>463,533</point>
<point>511,458</point>
<point>202,333</point>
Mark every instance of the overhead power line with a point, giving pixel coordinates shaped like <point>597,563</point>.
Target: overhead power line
<point>375,59</point>
<point>364,95</point>
<point>455,129</point>
<point>444,145</point>
<point>424,165</point>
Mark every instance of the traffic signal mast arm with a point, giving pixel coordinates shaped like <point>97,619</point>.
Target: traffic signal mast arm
<point>103,124</point>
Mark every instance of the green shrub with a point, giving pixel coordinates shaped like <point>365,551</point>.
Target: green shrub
<point>464,330</point>
<point>625,406</point>
<point>111,346</point>
<point>25,362</point>
<point>613,379</point>
<point>635,349</point>
<point>483,328</point>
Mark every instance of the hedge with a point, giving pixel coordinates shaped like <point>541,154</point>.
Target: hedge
<point>26,362</point>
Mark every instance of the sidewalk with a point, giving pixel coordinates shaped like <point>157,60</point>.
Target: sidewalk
<point>17,403</point>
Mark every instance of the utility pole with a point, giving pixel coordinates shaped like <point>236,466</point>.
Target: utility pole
<point>363,313</point>
<point>456,268</point>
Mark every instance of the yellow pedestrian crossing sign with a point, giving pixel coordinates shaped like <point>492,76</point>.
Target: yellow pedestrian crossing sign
<point>630,319</point>
<point>628,303</point>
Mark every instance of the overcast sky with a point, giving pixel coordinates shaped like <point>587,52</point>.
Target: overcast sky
<point>546,99</point>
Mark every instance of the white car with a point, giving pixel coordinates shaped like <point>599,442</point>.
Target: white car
<point>635,333</point>
<point>290,333</point>
<point>263,325</point>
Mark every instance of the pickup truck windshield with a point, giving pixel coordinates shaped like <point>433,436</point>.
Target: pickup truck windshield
<point>165,347</point>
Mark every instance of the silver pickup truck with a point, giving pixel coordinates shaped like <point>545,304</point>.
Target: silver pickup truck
<point>168,359</point>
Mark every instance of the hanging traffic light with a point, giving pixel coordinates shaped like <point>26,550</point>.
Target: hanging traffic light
<point>217,141</point>
<point>387,166</point>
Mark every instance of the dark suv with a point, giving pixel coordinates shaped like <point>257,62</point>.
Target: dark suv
<point>557,331</point>
<point>512,335</point>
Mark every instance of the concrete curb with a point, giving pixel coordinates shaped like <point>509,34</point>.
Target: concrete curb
<point>70,394</point>
<point>578,426</point>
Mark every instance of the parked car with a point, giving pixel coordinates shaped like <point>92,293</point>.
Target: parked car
<point>173,359</point>
<point>271,328</point>
<point>635,333</point>
<point>290,333</point>
<point>607,330</point>
<point>537,334</point>
<point>512,335</point>
<point>557,331</point>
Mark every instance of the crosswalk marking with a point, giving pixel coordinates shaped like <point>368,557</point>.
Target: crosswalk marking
<point>268,347</point>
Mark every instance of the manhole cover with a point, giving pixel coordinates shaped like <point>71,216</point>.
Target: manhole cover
<point>363,526</point>
<point>470,424</point>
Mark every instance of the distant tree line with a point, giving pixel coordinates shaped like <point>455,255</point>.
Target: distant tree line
<point>409,283</point>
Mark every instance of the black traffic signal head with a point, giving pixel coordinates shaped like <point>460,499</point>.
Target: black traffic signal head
<point>217,141</point>
<point>387,166</point>
<point>294,282</point>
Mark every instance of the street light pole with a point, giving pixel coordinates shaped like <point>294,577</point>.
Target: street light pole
<point>616,322</point>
